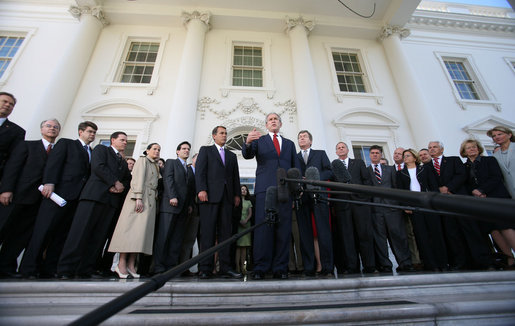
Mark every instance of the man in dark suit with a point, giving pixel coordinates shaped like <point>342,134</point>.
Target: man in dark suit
<point>354,220</point>
<point>66,173</point>
<point>19,188</point>
<point>272,151</point>
<point>218,188</point>
<point>388,222</point>
<point>462,236</point>
<point>309,157</point>
<point>98,202</point>
<point>176,204</point>
<point>10,135</point>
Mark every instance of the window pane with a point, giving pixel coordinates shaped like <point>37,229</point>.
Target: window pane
<point>139,65</point>
<point>248,57</point>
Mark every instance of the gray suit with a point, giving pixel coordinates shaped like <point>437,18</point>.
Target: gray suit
<point>179,183</point>
<point>388,223</point>
<point>507,164</point>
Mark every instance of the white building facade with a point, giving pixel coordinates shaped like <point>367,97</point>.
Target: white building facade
<point>168,71</point>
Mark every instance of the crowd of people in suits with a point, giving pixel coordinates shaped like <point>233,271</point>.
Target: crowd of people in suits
<point>134,216</point>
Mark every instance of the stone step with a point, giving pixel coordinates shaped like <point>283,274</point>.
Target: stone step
<point>445,298</point>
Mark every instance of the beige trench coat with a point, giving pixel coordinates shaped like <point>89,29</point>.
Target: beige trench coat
<point>134,232</point>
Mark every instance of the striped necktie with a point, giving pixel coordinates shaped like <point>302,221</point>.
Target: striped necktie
<point>377,173</point>
<point>436,165</point>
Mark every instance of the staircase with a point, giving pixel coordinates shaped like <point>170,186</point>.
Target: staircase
<point>475,298</point>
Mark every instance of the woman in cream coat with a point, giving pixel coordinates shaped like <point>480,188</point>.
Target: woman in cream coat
<point>134,232</point>
<point>504,137</point>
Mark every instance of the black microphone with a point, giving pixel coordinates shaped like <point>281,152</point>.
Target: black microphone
<point>271,216</point>
<point>294,187</point>
<point>282,189</point>
<point>312,174</point>
<point>340,171</point>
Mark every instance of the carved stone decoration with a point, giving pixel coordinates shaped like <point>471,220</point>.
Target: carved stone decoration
<point>290,107</point>
<point>247,105</point>
<point>235,124</point>
<point>389,30</point>
<point>291,23</point>
<point>96,12</point>
<point>202,16</point>
<point>205,103</point>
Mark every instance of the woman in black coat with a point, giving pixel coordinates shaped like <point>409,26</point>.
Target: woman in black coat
<point>485,179</point>
<point>427,227</point>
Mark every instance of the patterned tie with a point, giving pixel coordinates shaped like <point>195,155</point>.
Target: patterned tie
<point>436,165</point>
<point>222,155</point>
<point>48,149</point>
<point>377,173</point>
<point>305,156</point>
<point>276,145</point>
<point>398,167</point>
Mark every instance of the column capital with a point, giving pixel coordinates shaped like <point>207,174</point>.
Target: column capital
<point>389,30</point>
<point>291,23</point>
<point>202,16</point>
<point>97,12</point>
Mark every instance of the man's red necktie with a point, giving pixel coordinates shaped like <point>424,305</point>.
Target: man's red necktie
<point>436,165</point>
<point>276,145</point>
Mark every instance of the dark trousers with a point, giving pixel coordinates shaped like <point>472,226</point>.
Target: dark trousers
<point>18,231</point>
<point>169,238</point>
<point>430,242</point>
<point>272,242</point>
<point>389,225</point>
<point>86,239</point>
<point>455,241</point>
<point>353,223</point>
<point>50,232</point>
<point>216,224</point>
<point>320,213</point>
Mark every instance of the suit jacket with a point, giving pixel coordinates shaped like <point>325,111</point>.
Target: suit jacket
<point>106,169</point>
<point>425,176</point>
<point>485,175</point>
<point>452,174</point>
<point>67,168</point>
<point>319,160</point>
<point>268,161</point>
<point>10,135</point>
<point>212,175</point>
<point>177,183</point>
<point>388,180</point>
<point>507,165</point>
<point>359,175</point>
<point>24,172</point>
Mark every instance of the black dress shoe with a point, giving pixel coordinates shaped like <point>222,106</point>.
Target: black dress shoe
<point>384,269</point>
<point>204,275</point>
<point>309,273</point>
<point>64,276</point>
<point>370,270</point>
<point>258,276</point>
<point>232,274</point>
<point>406,269</point>
<point>281,275</point>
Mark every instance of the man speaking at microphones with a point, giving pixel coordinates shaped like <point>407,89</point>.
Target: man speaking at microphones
<point>272,151</point>
<point>309,159</point>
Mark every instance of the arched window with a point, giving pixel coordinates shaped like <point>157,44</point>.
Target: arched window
<point>236,143</point>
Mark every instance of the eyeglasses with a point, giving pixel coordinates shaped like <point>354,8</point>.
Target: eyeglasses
<point>52,126</point>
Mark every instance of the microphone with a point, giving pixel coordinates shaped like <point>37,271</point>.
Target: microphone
<point>294,187</point>
<point>340,171</point>
<point>312,174</point>
<point>282,189</point>
<point>271,216</point>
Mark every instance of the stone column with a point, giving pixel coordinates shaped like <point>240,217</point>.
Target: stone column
<point>310,115</point>
<point>64,83</point>
<point>422,123</point>
<point>181,122</point>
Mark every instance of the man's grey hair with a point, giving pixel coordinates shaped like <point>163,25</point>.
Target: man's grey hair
<point>438,142</point>
<point>43,122</point>
<point>269,114</point>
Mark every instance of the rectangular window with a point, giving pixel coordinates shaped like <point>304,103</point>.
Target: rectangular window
<point>462,80</point>
<point>139,63</point>
<point>8,48</point>
<point>247,67</point>
<point>362,152</point>
<point>348,72</point>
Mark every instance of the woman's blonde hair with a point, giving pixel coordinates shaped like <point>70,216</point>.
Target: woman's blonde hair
<point>470,141</point>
